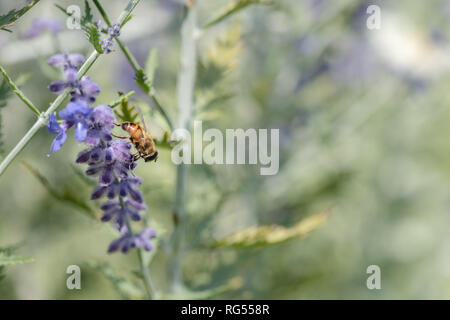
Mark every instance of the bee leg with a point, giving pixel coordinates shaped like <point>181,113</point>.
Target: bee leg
<point>136,156</point>
<point>120,137</point>
<point>116,124</point>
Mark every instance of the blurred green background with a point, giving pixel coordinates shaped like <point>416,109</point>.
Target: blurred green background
<point>364,123</point>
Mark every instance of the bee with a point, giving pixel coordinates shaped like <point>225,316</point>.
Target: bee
<point>141,139</point>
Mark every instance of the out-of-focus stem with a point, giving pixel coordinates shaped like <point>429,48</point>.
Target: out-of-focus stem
<point>136,67</point>
<point>185,91</point>
<point>43,117</point>
<point>144,269</point>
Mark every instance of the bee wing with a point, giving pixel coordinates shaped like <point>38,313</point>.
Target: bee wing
<point>141,118</point>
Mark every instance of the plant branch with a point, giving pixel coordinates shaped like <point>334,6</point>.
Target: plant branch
<point>43,117</point>
<point>19,93</point>
<point>185,92</point>
<point>144,269</point>
<point>149,90</point>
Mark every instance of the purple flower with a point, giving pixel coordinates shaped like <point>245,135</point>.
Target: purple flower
<point>109,159</point>
<point>128,241</point>
<point>82,90</point>
<point>85,90</point>
<point>106,44</point>
<point>119,212</point>
<point>101,123</point>
<point>72,60</point>
<point>39,25</point>
<point>77,113</point>
<point>54,127</point>
<point>114,31</point>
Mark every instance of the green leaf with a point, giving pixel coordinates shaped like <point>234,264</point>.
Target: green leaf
<point>63,10</point>
<point>126,112</point>
<point>8,19</point>
<point>5,93</point>
<point>87,17</point>
<point>232,9</point>
<point>142,80</point>
<point>121,99</point>
<point>128,18</point>
<point>10,260</point>
<point>125,288</point>
<point>151,65</point>
<point>62,194</point>
<point>93,36</point>
<point>273,234</point>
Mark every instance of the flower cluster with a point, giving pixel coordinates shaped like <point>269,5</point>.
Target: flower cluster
<point>108,159</point>
<point>81,90</point>
<point>113,32</point>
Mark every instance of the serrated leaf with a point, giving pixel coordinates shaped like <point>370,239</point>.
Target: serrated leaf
<point>10,260</point>
<point>125,112</point>
<point>93,36</point>
<point>87,17</point>
<point>273,234</point>
<point>125,288</point>
<point>233,8</point>
<point>142,80</point>
<point>151,65</point>
<point>8,19</point>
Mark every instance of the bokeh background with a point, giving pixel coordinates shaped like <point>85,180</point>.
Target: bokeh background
<point>364,124</point>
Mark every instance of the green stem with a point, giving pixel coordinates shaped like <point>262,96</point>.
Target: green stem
<point>121,99</point>
<point>19,93</point>
<point>43,117</point>
<point>185,93</point>
<point>149,90</point>
<point>144,269</point>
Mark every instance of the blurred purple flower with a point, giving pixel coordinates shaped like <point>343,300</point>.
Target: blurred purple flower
<point>40,25</point>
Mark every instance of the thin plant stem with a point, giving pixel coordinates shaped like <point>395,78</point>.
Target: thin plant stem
<point>150,91</point>
<point>19,92</point>
<point>144,269</point>
<point>121,99</point>
<point>185,95</point>
<point>43,117</point>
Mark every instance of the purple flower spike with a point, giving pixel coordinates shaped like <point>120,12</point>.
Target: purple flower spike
<point>77,112</point>
<point>107,159</point>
